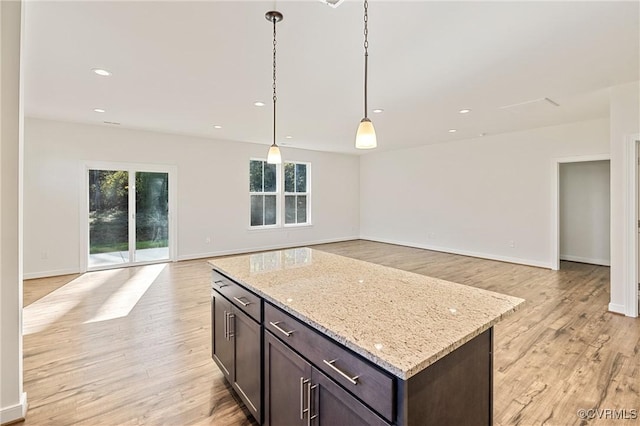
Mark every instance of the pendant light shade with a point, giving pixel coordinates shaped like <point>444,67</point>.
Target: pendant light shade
<point>274,157</point>
<point>366,134</point>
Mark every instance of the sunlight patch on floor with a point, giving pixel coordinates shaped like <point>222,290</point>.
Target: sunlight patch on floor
<point>44,312</point>
<point>123,300</point>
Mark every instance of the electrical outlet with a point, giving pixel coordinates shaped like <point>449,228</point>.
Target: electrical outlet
<point>44,255</point>
<point>431,235</point>
<point>207,240</point>
<point>512,244</point>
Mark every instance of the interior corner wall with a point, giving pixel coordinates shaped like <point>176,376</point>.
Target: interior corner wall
<point>212,194</point>
<point>488,197</point>
<point>625,123</point>
<point>12,398</point>
<point>585,212</point>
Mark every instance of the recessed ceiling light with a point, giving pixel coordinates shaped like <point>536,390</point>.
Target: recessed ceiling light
<point>482,134</point>
<point>101,72</point>
<point>452,130</point>
<point>288,137</point>
<point>113,123</point>
<point>378,110</point>
<point>464,111</point>
<point>99,110</point>
<point>217,126</point>
<point>259,104</point>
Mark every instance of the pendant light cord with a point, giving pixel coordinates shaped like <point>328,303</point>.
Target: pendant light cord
<point>274,80</point>
<point>366,53</point>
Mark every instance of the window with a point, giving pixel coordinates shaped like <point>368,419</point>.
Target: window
<point>263,190</point>
<point>271,186</point>
<point>296,197</point>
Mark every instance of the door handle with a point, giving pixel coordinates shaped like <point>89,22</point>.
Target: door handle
<point>232,333</point>
<point>303,410</point>
<point>310,415</point>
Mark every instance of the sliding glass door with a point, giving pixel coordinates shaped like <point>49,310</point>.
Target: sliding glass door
<point>128,217</point>
<point>152,217</point>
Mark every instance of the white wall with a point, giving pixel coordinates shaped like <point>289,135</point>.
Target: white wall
<point>13,402</point>
<point>488,197</point>
<point>585,210</point>
<point>213,198</point>
<point>625,123</point>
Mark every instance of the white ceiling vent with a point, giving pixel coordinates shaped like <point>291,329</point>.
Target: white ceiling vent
<point>332,3</point>
<point>536,105</point>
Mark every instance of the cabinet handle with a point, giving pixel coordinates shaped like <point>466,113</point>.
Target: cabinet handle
<point>226,326</point>
<point>309,401</point>
<point>245,304</point>
<point>275,325</point>
<point>303,410</point>
<point>220,285</point>
<point>232,334</point>
<point>353,380</point>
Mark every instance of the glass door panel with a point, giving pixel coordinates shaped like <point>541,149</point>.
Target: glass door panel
<point>152,216</point>
<point>108,218</point>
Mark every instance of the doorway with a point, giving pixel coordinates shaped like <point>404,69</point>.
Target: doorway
<point>555,204</point>
<point>585,213</point>
<point>128,215</point>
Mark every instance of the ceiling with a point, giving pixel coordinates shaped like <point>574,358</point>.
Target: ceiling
<point>182,67</point>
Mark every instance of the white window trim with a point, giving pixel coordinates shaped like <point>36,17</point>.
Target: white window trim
<point>307,194</point>
<point>280,194</point>
<point>278,223</point>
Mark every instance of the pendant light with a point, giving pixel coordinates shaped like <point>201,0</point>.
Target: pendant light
<point>274,156</point>
<point>366,135</point>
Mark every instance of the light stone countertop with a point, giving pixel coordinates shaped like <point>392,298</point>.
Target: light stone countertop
<point>401,321</point>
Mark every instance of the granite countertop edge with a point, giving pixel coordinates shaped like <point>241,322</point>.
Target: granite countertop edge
<point>403,374</point>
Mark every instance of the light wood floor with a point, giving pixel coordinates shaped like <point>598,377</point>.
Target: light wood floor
<point>86,365</point>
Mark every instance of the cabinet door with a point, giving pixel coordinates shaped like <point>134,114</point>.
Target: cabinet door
<point>248,373</point>
<point>333,406</point>
<point>222,342</point>
<point>286,378</point>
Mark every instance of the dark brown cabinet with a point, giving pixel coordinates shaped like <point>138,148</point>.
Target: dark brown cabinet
<point>296,393</point>
<point>292,374</point>
<point>236,348</point>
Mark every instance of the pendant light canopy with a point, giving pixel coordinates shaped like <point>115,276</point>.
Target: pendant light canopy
<point>366,134</point>
<point>274,156</point>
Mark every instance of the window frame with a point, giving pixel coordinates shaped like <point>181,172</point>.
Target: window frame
<point>307,194</point>
<point>263,193</point>
<point>280,197</point>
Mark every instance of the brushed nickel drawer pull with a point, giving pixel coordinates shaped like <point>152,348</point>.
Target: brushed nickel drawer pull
<point>353,380</point>
<point>275,325</point>
<point>220,285</point>
<point>245,304</point>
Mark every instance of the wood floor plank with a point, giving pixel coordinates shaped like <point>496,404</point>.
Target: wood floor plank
<point>85,364</point>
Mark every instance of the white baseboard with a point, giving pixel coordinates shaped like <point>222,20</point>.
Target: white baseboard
<point>15,412</point>
<point>488,256</point>
<point>44,274</point>
<point>570,258</point>
<point>263,248</point>
<point>617,308</point>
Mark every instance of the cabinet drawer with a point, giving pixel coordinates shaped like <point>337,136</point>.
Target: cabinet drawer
<point>372,385</point>
<point>238,295</point>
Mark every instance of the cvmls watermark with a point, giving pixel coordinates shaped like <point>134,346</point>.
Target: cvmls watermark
<point>608,414</point>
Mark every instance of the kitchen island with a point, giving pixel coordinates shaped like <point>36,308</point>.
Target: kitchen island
<point>308,337</point>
